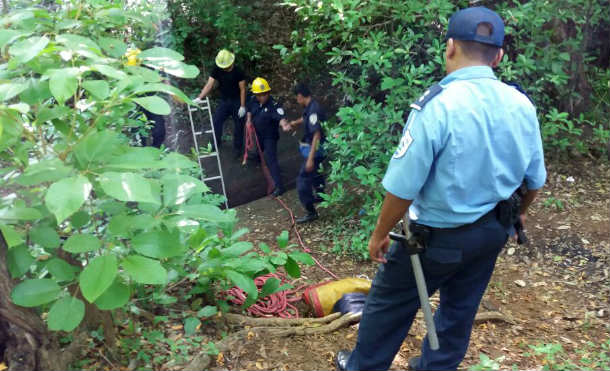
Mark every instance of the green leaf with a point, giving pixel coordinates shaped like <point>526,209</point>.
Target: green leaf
<point>179,188</point>
<point>45,236</point>
<point>127,187</point>
<point>98,88</point>
<point>78,243</point>
<point>271,286</point>
<point>116,296</point>
<point>61,270</point>
<point>175,68</point>
<point>158,53</point>
<point>113,47</point>
<point>10,90</point>
<point>190,325</point>
<point>8,36</point>
<point>282,240</point>
<point>66,314</point>
<point>19,261</point>
<point>44,171</point>
<point>19,213</point>
<point>206,212</point>
<point>158,244</point>
<point>237,249</point>
<point>245,283</point>
<point>20,107</point>
<point>35,292</point>
<point>23,51</point>
<point>145,270</point>
<point>137,158</point>
<point>12,127</point>
<point>207,311</point>
<point>177,161</point>
<point>77,42</point>
<point>37,91</point>
<point>154,104</point>
<point>95,147</point>
<point>302,257</point>
<point>292,268</point>
<point>79,219</point>
<point>264,248</point>
<point>63,83</point>
<point>146,73</point>
<point>279,258</point>
<point>66,196</point>
<point>163,88</point>
<point>108,71</point>
<point>11,236</point>
<point>97,276</point>
<point>47,114</point>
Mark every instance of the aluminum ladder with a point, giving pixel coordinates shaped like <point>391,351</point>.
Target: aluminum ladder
<point>205,106</point>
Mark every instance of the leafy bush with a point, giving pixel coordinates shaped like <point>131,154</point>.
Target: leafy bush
<point>383,55</point>
<point>86,216</point>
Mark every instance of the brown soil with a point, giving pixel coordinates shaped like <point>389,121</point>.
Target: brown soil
<point>564,268</point>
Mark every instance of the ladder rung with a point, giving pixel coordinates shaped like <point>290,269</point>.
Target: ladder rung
<point>208,155</point>
<point>212,178</point>
<point>203,132</point>
<point>203,108</point>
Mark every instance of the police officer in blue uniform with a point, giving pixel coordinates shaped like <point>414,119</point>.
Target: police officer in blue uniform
<point>469,143</point>
<point>267,115</point>
<point>310,179</point>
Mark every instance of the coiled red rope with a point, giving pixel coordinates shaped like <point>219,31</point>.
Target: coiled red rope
<point>278,304</point>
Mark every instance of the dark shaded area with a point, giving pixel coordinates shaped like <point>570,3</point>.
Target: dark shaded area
<point>243,183</point>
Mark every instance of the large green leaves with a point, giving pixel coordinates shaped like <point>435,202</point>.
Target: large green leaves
<point>154,104</point>
<point>32,293</point>
<point>23,51</point>
<point>66,196</point>
<point>45,236</point>
<point>61,270</point>
<point>158,244</point>
<point>98,88</point>
<point>145,270</point>
<point>97,276</point>
<point>128,187</point>
<point>77,42</point>
<point>44,171</point>
<point>114,297</point>
<point>95,147</point>
<point>19,261</point>
<point>13,214</point>
<point>66,314</point>
<point>245,283</point>
<point>10,90</point>
<point>179,188</point>
<point>82,243</point>
<point>137,158</point>
<point>113,47</point>
<point>162,88</point>
<point>63,83</point>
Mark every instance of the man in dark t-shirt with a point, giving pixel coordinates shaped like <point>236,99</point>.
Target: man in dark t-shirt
<point>232,84</point>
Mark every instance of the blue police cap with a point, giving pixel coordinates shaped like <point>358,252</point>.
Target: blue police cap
<point>463,26</point>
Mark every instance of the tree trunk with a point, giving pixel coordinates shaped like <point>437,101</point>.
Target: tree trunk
<point>26,342</point>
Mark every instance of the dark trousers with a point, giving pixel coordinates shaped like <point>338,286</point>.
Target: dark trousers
<point>269,148</point>
<point>457,263</point>
<point>226,108</point>
<point>310,182</point>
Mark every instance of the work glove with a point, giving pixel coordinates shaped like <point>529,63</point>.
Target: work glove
<point>242,112</point>
<point>197,101</point>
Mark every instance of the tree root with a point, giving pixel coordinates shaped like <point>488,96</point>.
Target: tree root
<point>281,327</point>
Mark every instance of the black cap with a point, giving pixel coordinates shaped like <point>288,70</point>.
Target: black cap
<point>463,26</point>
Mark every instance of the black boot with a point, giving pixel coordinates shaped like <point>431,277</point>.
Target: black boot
<point>341,359</point>
<point>310,217</point>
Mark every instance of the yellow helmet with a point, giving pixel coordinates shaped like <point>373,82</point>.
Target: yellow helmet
<point>260,85</point>
<point>224,58</point>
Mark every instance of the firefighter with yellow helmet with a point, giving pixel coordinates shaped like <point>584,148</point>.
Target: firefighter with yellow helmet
<point>267,115</point>
<point>232,84</point>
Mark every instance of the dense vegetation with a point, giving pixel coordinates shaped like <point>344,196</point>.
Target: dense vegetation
<point>91,222</point>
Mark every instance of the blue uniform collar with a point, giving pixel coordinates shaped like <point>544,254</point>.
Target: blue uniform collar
<point>468,73</point>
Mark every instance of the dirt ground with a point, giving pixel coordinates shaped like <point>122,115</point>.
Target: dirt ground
<point>555,290</point>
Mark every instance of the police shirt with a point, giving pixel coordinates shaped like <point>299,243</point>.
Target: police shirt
<point>266,118</point>
<point>313,116</point>
<point>228,81</point>
<point>465,149</point>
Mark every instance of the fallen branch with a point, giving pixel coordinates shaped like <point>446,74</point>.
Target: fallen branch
<point>485,316</point>
<point>238,319</point>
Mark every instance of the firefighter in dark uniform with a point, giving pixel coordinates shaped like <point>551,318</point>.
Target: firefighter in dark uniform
<point>469,143</point>
<point>310,182</point>
<point>267,115</point>
<point>232,84</point>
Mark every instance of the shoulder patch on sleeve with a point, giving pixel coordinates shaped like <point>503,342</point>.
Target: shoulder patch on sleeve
<point>427,97</point>
<point>313,118</point>
<point>280,111</point>
<point>404,144</point>
<point>520,89</point>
